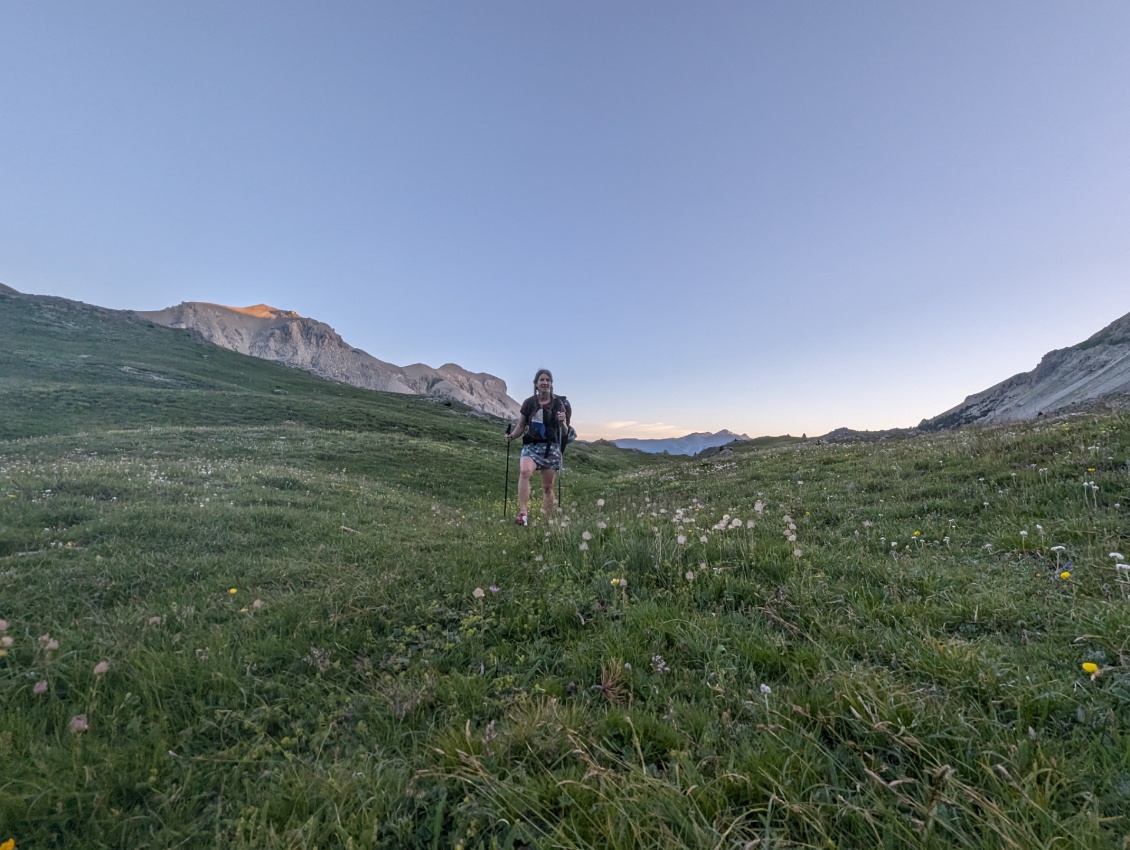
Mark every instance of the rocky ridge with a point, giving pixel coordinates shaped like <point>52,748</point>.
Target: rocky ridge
<point>285,336</point>
<point>1097,368</point>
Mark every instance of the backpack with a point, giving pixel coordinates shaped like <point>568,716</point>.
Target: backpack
<point>569,435</point>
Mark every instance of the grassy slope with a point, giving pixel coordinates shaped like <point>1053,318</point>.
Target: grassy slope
<point>922,656</point>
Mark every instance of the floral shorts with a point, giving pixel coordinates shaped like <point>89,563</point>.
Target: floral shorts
<point>545,455</point>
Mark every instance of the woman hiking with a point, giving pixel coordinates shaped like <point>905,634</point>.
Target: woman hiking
<point>543,419</point>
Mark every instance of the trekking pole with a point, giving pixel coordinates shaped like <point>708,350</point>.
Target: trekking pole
<point>561,474</point>
<point>506,489</point>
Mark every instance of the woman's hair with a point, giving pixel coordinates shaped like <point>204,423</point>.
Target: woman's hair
<point>538,374</point>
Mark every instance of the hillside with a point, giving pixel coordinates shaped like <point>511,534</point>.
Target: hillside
<point>69,366</point>
<point>1097,368</point>
<point>256,632</point>
<point>285,336</point>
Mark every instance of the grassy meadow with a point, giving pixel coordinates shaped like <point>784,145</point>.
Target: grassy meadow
<point>246,608</point>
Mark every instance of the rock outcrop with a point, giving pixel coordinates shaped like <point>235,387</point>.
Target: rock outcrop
<point>1097,368</point>
<point>285,336</point>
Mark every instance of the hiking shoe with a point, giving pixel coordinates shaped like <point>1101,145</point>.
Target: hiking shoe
<point>521,519</point>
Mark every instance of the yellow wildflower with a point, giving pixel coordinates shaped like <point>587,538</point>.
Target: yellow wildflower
<point>232,592</point>
<point>1090,667</point>
<point>10,844</point>
<point>1065,575</point>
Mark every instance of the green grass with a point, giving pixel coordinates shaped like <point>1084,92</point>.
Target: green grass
<point>920,657</point>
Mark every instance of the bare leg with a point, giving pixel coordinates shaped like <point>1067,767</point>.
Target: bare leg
<point>525,470</point>
<point>547,491</point>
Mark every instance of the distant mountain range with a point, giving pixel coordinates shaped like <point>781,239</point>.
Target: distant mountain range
<point>689,445</point>
<point>304,343</point>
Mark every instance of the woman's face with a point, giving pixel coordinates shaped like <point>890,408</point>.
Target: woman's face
<point>544,383</point>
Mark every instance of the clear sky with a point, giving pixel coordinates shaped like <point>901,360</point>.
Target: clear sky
<point>774,217</point>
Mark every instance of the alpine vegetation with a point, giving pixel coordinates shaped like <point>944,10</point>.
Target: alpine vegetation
<point>303,621</point>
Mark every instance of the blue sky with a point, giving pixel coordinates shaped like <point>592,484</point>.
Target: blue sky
<point>773,217</point>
